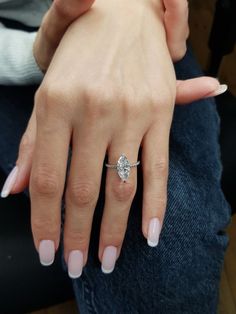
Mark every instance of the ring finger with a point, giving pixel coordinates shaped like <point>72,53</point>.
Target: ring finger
<point>119,196</point>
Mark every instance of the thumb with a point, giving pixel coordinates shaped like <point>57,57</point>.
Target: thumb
<point>195,89</point>
<point>18,179</point>
<point>176,25</point>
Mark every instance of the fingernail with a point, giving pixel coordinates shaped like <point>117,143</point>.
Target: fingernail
<point>46,252</point>
<point>220,90</point>
<point>9,183</point>
<point>109,259</point>
<point>75,264</point>
<point>154,231</point>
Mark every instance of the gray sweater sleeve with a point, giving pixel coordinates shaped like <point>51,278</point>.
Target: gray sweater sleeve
<point>17,63</point>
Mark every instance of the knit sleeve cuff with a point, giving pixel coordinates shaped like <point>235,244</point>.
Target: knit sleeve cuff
<point>17,63</point>
<point>31,73</point>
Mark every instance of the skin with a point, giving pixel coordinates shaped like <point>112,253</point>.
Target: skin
<point>61,14</point>
<point>106,91</point>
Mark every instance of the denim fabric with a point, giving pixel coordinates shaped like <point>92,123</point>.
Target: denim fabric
<point>182,274</point>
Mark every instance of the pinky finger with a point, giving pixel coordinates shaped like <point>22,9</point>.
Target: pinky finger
<point>198,88</point>
<point>155,175</point>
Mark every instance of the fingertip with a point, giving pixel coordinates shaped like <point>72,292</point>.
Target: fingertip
<point>195,89</point>
<point>10,182</point>
<point>22,181</point>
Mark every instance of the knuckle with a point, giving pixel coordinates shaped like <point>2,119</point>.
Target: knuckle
<point>82,193</point>
<point>129,110</point>
<point>44,226</point>
<point>131,106</point>
<point>26,144</point>
<point>64,10</point>
<point>124,192</point>
<point>45,182</point>
<point>98,102</point>
<point>76,238</point>
<point>48,96</point>
<point>160,104</point>
<point>158,169</point>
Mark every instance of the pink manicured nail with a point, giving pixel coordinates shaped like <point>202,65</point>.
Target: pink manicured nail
<point>9,183</point>
<point>46,252</point>
<point>154,231</point>
<point>75,264</point>
<point>109,259</point>
<point>220,90</point>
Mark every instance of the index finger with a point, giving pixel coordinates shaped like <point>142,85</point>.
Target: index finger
<point>47,179</point>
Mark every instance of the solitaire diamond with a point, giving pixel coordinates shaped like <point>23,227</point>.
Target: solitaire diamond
<point>123,167</point>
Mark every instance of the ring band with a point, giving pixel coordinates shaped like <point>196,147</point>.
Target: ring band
<point>123,167</point>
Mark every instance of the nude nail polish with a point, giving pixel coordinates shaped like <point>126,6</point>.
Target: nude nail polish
<point>154,231</point>
<point>109,259</point>
<point>9,183</point>
<point>46,252</point>
<point>220,90</point>
<point>75,264</point>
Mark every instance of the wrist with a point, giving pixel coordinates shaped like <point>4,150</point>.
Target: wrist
<point>129,15</point>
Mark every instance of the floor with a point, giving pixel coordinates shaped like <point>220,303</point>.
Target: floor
<point>200,23</point>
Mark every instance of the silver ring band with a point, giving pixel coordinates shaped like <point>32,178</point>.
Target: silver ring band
<point>115,165</point>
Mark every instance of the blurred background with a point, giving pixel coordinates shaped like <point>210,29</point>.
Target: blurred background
<point>212,25</point>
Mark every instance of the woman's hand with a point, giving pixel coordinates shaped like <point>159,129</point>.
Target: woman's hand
<point>110,89</point>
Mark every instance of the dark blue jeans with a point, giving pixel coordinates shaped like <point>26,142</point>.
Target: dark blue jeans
<point>182,274</point>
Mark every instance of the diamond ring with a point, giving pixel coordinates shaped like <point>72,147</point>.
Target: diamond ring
<point>123,167</point>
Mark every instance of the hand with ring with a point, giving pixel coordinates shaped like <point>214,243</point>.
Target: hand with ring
<point>110,89</point>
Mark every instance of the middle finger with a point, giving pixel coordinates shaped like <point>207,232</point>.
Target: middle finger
<point>89,149</point>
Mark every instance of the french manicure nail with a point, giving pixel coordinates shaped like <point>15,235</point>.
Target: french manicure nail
<point>9,183</point>
<point>109,259</point>
<point>75,264</point>
<point>154,231</point>
<point>46,252</point>
<point>220,90</point>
